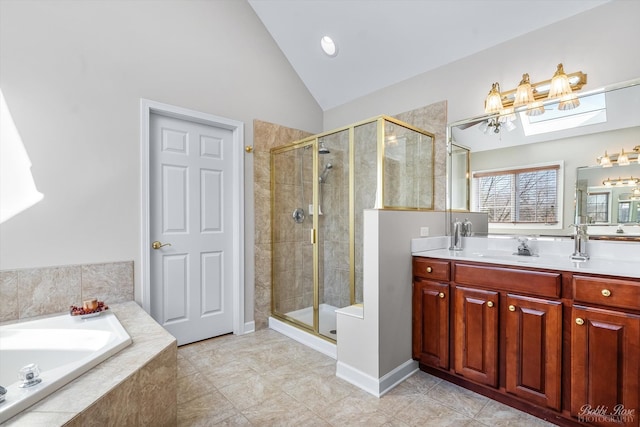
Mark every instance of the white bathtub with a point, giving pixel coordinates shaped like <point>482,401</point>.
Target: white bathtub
<point>63,347</point>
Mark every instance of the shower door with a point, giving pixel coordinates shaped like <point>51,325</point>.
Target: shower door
<point>293,235</point>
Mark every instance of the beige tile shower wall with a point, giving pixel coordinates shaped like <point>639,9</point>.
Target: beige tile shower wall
<point>433,118</point>
<point>34,292</point>
<point>266,136</point>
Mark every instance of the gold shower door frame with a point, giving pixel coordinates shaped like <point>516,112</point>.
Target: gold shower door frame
<point>313,142</point>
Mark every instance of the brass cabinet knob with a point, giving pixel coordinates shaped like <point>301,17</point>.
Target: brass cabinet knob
<point>512,308</point>
<point>158,245</point>
<point>429,269</point>
<point>490,304</point>
<point>606,293</point>
<point>441,294</point>
<point>579,321</point>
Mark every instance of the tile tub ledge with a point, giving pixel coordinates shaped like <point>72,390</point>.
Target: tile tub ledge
<point>136,386</point>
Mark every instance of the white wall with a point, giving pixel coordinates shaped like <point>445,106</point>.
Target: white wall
<point>73,73</point>
<point>601,42</point>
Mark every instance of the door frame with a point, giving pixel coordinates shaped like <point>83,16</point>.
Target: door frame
<point>237,128</point>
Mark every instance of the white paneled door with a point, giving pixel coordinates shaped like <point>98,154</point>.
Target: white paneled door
<point>190,202</point>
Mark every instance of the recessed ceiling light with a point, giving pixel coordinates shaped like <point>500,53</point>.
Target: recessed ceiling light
<point>328,46</point>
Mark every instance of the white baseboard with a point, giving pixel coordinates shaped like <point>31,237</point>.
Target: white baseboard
<point>312,341</point>
<point>249,327</point>
<point>376,386</point>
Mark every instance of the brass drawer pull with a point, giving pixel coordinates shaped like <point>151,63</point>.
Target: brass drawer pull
<point>579,321</point>
<point>512,308</point>
<point>441,294</point>
<point>429,269</point>
<point>606,293</point>
<point>490,304</point>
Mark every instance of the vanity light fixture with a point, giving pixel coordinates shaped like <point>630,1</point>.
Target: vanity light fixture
<point>493,103</point>
<point>561,88</point>
<point>530,95</point>
<point>524,96</point>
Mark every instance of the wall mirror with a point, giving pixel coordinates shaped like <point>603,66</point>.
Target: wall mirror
<point>569,142</point>
<point>608,196</point>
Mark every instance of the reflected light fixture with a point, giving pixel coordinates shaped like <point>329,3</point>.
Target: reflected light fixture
<point>631,181</point>
<point>622,159</point>
<point>561,88</point>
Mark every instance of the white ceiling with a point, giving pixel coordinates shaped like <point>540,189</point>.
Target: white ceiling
<point>382,42</point>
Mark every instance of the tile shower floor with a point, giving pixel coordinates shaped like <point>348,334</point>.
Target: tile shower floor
<point>268,379</point>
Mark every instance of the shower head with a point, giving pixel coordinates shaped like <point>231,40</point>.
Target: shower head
<point>322,149</point>
<point>325,172</point>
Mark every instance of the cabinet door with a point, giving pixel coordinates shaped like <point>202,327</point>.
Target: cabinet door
<point>431,323</point>
<point>533,329</point>
<point>476,335</point>
<point>605,354</point>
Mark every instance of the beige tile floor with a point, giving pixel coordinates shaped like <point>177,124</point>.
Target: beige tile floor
<point>267,379</point>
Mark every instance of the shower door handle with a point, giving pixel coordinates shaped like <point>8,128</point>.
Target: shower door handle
<point>312,235</point>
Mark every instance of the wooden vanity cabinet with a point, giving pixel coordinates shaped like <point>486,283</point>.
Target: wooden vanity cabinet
<point>476,334</point>
<point>605,351</point>
<point>533,355</point>
<point>560,345</point>
<point>431,312</point>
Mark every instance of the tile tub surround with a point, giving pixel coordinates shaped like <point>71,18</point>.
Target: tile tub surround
<point>137,386</point>
<point>32,292</point>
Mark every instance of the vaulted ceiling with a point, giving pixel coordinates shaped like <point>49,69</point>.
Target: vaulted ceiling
<point>382,42</point>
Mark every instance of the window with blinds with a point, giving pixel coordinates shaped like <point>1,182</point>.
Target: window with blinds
<point>598,207</point>
<point>519,196</point>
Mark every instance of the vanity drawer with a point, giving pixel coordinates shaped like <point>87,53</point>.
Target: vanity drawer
<point>610,292</point>
<point>431,269</point>
<point>538,283</point>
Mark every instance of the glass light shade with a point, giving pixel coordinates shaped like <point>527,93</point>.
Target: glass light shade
<point>605,161</point>
<point>524,92</point>
<point>535,109</point>
<point>493,103</point>
<point>560,85</point>
<point>569,103</point>
<point>623,159</point>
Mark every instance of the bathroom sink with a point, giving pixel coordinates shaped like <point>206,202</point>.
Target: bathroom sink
<point>505,256</point>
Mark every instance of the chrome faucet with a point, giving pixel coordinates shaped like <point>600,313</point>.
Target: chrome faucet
<point>456,236</point>
<point>580,239</point>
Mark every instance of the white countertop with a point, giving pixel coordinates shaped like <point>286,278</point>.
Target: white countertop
<point>606,257</point>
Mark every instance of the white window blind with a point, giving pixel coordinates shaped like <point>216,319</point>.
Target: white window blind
<point>519,196</point>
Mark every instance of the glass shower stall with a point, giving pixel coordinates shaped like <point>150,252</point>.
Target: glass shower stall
<point>320,187</point>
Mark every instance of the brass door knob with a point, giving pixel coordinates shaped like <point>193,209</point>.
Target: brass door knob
<point>429,269</point>
<point>579,321</point>
<point>512,308</point>
<point>490,304</point>
<point>606,293</point>
<point>158,245</point>
<point>441,294</point>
